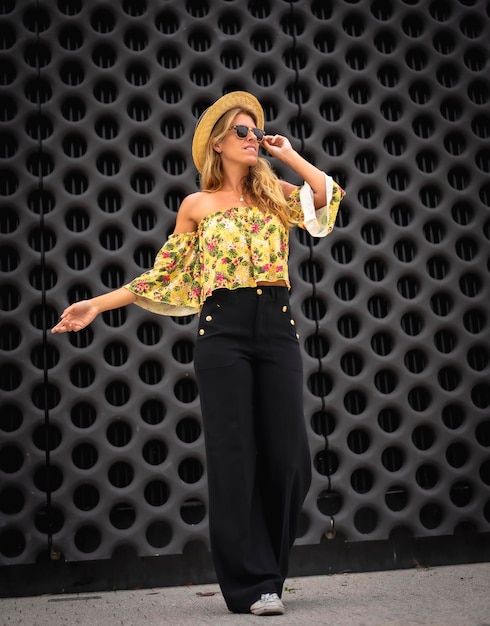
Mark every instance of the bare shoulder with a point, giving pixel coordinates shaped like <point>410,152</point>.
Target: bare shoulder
<point>191,201</point>
<point>189,213</point>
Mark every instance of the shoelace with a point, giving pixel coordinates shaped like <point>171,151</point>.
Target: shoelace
<point>265,597</point>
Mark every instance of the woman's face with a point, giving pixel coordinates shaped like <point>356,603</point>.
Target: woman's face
<point>238,149</point>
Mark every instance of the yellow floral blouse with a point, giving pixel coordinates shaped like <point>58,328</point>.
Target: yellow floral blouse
<point>230,249</point>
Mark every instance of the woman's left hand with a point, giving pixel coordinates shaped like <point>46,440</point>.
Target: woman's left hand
<point>276,145</point>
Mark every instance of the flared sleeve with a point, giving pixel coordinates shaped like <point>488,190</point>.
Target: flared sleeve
<point>173,285</point>
<point>318,222</point>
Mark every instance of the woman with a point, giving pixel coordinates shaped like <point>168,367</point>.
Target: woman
<point>227,261</point>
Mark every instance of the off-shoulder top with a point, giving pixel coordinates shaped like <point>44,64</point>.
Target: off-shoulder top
<point>233,248</point>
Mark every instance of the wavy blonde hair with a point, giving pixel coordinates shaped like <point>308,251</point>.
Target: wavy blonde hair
<point>261,183</point>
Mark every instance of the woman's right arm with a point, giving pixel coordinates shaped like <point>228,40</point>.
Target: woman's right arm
<point>80,314</point>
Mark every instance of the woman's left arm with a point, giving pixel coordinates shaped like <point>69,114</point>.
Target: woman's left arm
<point>280,147</point>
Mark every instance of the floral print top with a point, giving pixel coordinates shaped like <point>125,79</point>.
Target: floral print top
<point>233,248</point>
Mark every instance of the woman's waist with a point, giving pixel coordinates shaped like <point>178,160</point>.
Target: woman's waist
<point>264,280</point>
<point>276,292</point>
<point>272,283</point>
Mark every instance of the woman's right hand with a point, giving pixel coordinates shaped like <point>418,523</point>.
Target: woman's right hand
<point>76,317</point>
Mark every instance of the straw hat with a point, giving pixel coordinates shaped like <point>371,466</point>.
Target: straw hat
<point>211,115</point>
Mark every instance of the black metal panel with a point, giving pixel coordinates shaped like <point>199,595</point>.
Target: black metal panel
<point>101,446</point>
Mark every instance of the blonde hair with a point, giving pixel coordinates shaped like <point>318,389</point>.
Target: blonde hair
<point>261,183</point>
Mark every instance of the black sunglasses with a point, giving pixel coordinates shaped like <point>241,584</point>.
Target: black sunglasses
<point>242,132</point>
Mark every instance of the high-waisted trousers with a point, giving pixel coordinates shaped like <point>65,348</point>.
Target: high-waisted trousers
<point>249,372</point>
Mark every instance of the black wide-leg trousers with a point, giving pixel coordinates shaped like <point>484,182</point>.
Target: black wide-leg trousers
<point>249,372</point>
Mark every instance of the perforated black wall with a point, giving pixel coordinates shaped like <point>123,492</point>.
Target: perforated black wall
<point>101,440</point>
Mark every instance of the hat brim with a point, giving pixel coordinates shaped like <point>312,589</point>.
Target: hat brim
<point>211,115</point>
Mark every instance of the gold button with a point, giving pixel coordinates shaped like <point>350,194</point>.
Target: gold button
<point>292,322</point>
<point>297,336</point>
<point>201,331</point>
<point>284,309</point>
<point>209,318</point>
<point>259,292</point>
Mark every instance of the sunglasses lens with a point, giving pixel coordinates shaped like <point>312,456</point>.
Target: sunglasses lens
<point>242,132</point>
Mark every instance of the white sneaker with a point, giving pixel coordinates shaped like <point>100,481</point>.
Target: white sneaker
<point>269,604</point>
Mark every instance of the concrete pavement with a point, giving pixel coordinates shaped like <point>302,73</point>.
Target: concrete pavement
<point>456,595</point>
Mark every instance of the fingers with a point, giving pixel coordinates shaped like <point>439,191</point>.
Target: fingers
<point>273,140</point>
<point>64,324</point>
<point>276,144</point>
<point>276,138</point>
<point>61,327</point>
<point>74,318</point>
